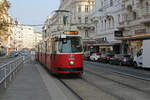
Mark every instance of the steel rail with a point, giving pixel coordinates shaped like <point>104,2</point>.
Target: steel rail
<point>75,93</point>
<point>94,85</point>
<point>104,90</point>
<point>126,74</point>
<point>109,79</point>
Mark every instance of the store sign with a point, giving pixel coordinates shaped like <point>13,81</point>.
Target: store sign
<point>118,34</point>
<point>140,31</point>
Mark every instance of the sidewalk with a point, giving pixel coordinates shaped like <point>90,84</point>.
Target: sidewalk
<point>27,85</point>
<point>33,83</point>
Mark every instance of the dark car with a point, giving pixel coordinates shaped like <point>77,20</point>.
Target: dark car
<point>106,57</point>
<point>121,59</point>
<point>13,54</point>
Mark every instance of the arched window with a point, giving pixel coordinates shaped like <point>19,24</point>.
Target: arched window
<point>111,2</point>
<point>102,25</point>
<point>105,24</point>
<point>147,6</point>
<point>134,15</point>
<point>109,22</point>
<point>112,22</point>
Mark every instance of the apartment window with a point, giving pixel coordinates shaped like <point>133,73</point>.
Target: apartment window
<point>86,33</point>
<point>86,8</point>
<point>86,19</point>
<point>102,4</point>
<point>105,24</point>
<point>109,21</point>
<point>118,18</point>
<point>112,22</point>
<point>147,6</point>
<point>132,2</point>
<point>79,9</point>
<point>134,15</point>
<point>79,19</point>
<point>111,2</point>
<point>102,24</point>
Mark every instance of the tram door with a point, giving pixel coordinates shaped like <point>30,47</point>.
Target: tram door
<point>48,52</point>
<point>54,54</point>
<point>45,53</point>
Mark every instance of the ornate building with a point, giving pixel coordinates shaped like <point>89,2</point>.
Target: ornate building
<point>77,13</point>
<point>106,19</point>
<point>135,24</point>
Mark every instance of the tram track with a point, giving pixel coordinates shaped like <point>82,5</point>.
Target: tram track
<point>118,82</point>
<point>69,88</point>
<point>82,97</point>
<point>121,73</point>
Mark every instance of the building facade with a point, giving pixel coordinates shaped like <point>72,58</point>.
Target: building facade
<point>25,37</point>
<point>135,24</point>
<point>77,13</point>
<point>106,19</point>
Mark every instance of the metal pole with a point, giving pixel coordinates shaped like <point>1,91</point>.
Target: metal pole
<point>10,72</point>
<point>5,82</point>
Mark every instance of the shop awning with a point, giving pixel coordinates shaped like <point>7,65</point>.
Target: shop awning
<point>135,37</point>
<point>108,44</point>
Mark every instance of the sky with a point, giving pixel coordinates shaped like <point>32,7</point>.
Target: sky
<point>32,11</point>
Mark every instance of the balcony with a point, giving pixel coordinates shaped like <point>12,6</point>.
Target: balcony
<point>85,26</point>
<point>146,15</point>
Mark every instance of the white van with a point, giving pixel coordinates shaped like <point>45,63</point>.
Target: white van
<point>142,58</point>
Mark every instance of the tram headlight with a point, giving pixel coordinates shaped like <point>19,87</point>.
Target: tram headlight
<point>71,62</point>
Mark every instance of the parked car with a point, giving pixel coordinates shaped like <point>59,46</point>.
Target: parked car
<point>95,56</point>
<point>106,57</point>
<point>141,59</point>
<point>121,59</point>
<point>13,54</point>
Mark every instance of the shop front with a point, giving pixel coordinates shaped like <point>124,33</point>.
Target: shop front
<point>110,47</point>
<point>132,44</point>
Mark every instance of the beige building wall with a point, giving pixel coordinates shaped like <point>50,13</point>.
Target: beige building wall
<point>37,38</point>
<point>28,37</point>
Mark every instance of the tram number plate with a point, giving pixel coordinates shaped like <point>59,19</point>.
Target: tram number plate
<point>71,59</point>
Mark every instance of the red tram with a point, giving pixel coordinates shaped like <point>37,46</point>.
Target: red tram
<point>62,53</point>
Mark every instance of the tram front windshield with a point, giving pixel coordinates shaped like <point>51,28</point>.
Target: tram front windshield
<point>70,45</point>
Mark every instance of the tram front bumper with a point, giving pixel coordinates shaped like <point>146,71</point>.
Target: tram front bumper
<point>70,70</point>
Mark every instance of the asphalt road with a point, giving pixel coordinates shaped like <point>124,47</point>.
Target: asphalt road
<point>119,86</point>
